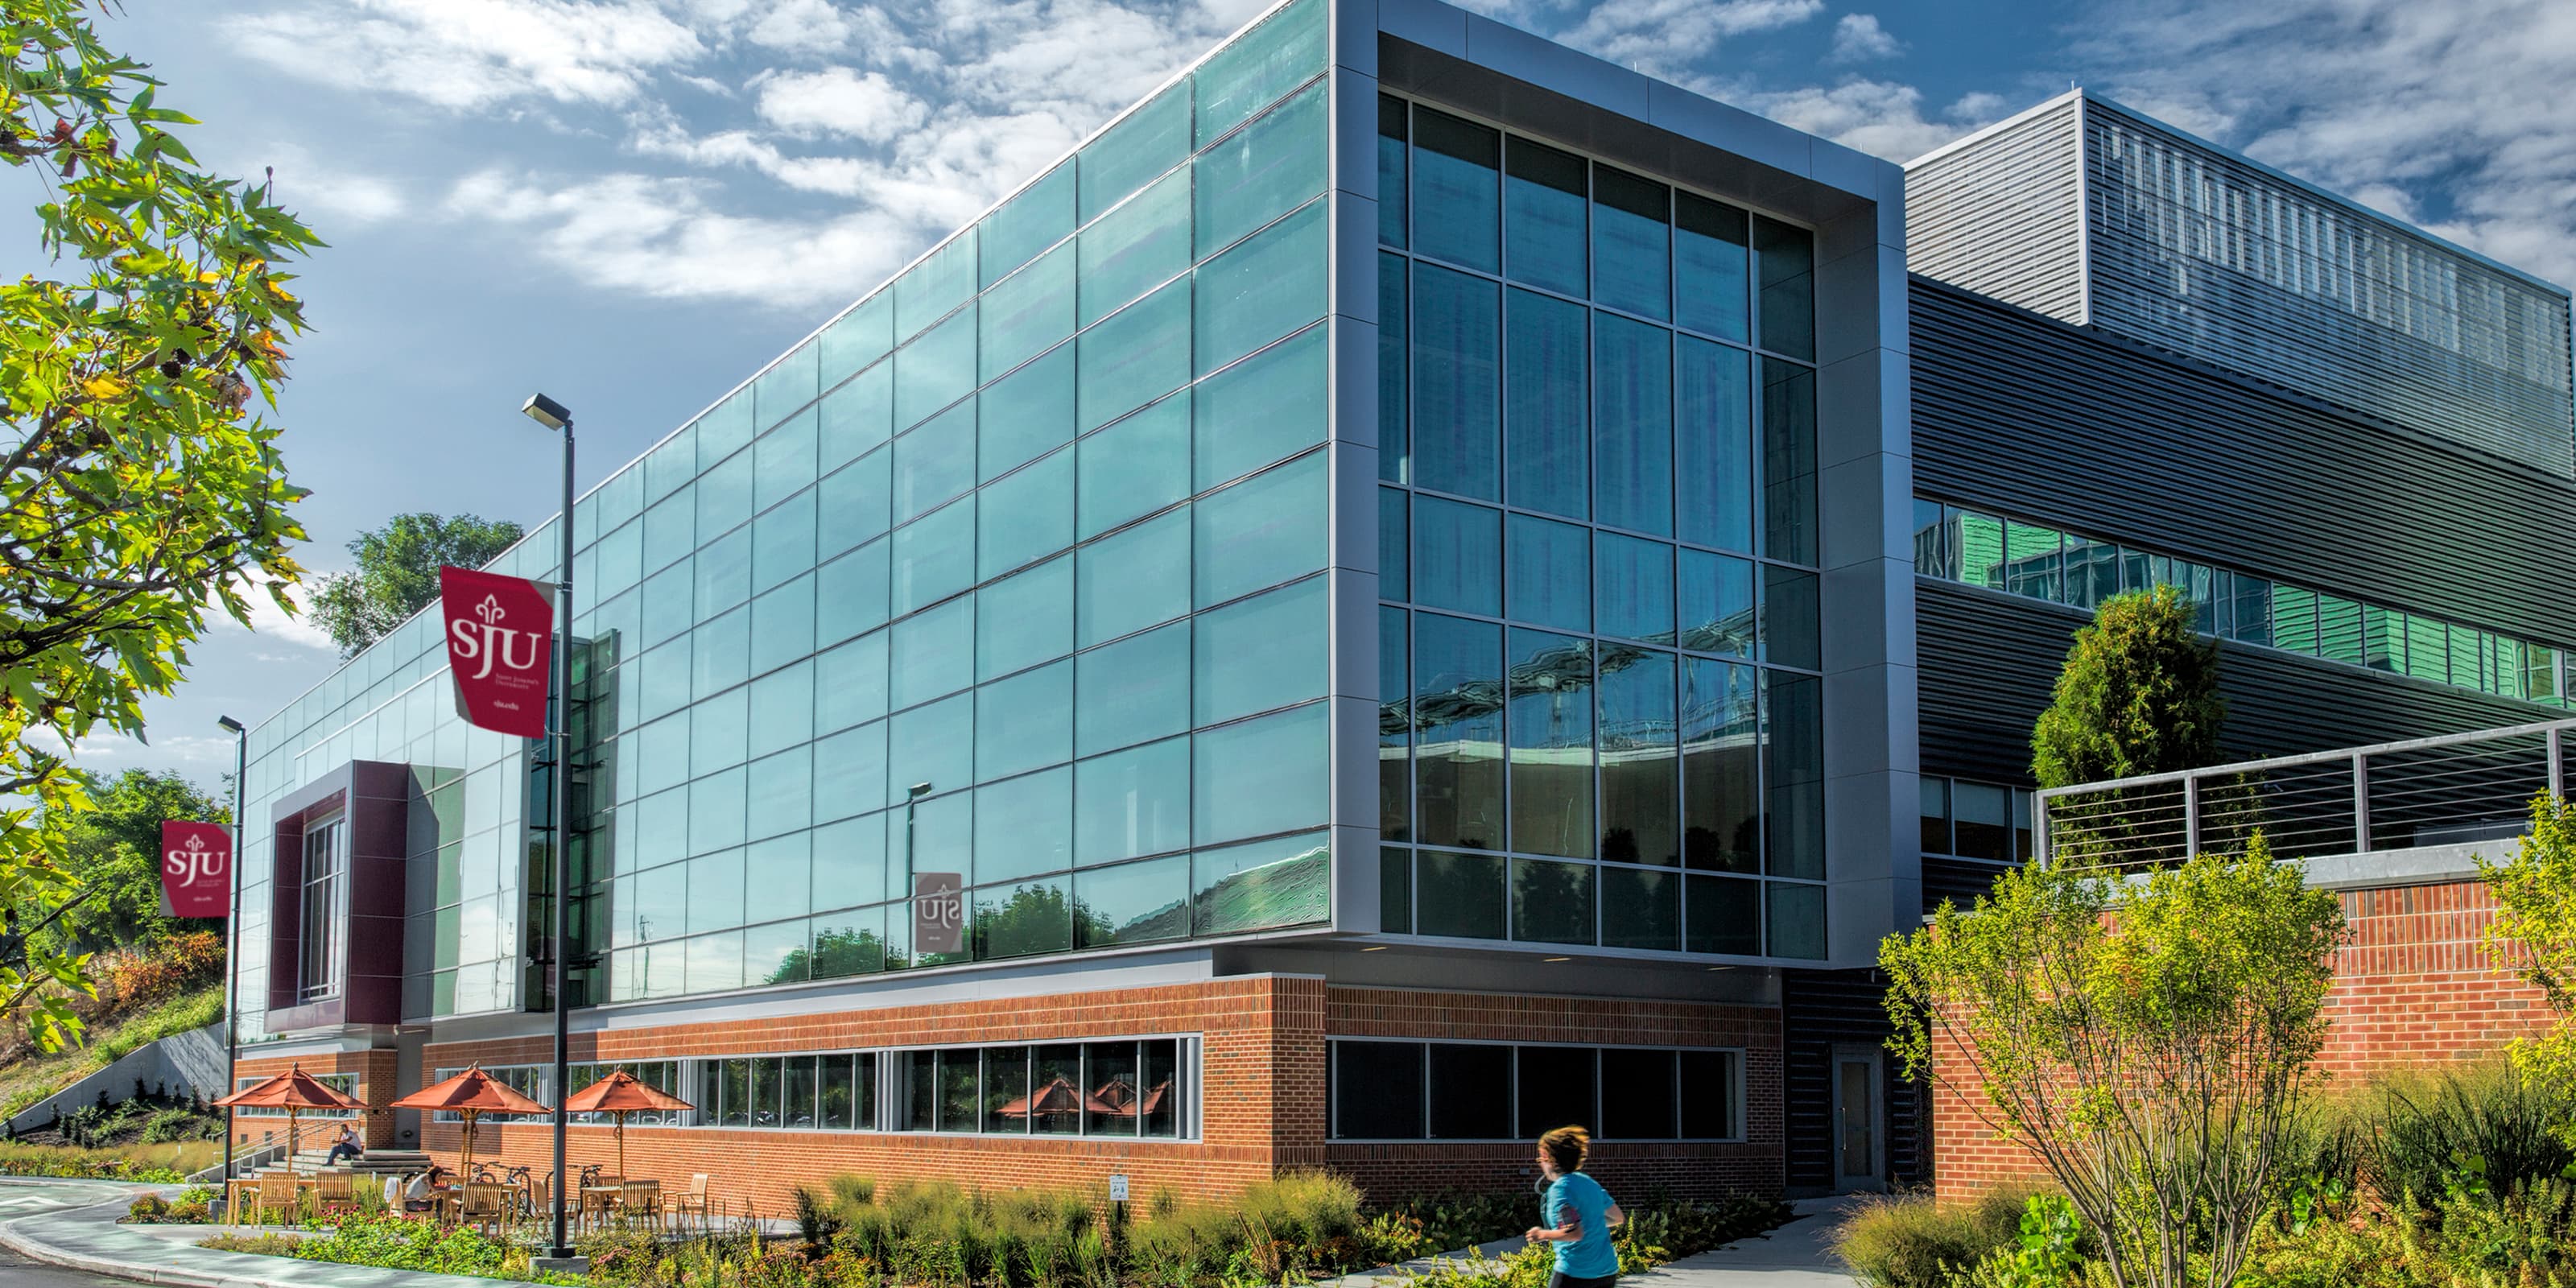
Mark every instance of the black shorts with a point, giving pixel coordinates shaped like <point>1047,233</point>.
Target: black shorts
<point>1560,1279</point>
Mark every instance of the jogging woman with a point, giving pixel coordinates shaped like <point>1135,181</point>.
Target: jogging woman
<point>1578,1212</point>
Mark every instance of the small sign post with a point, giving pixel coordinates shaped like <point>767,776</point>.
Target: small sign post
<point>1117,1187</point>
<point>938,912</point>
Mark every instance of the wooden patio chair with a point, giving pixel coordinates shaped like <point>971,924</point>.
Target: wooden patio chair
<point>693,1200</point>
<point>484,1202</point>
<point>333,1191</point>
<point>277,1194</point>
<point>640,1200</point>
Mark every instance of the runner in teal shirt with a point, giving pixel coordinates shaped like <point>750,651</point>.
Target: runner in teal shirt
<point>1578,1212</point>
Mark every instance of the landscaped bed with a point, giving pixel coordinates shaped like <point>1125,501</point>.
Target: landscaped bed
<point>939,1235</point>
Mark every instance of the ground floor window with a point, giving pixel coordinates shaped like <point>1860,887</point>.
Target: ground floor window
<point>344,1083</point>
<point>1402,1090</point>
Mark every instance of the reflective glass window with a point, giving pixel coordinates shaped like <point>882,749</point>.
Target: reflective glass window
<point>1641,909</point>
<point>1025,314</point>
<point>1040,216</point>
<point>1132,903</point>
<point>1134,467</point>
<point>726,428</point>
<point>1457,556</point>
<point>782,708</point>
<point>1458,733</point>
<point>1709,257</point>
<point>1552,745</point>
<point>783,460</point>
<point>933,652</point>
<point>1024,722</point>
<point>1134,690</point>
<point>1715,598</point>
<point>1135,357</point>
<point>853,592</point>
<point>1552,902</point>
<point>779,801</point>
<point>719,731</point>
<point>1640,759</point>
<point>1789,461</point>
<point>932,744</point>
<point>1135,248</point>
<point>782,543</point>
<point>1390,1076</point>
<point>1631,250</point>
<point>1263,288</point>
<point>850,773</point>
<point>1454,163</point>
<point>1546,406</point>
<point>1276,163</point>
<point>1261,653</point>
<point>1456,413</point>
<point>721,654</point>
<point>1259,66</point>
<point>1394,432</point>
<point>1025,413</point>
<point>934,556</point>
<point>854,503</point>
<point>1390,170</point>
<point>1132,579</point>
<point>1471,1091</point>
<point>944,279</point>
<point>722,573</point>
<point>1795,776</point>
<point>1144,143</point>
<point>1543,227</point>
<point>1024,619</point>
<point>724,496</point>
<point>1459,896</point>
<point>1024,827</point>
<point>1721,727</point>
<point>1635,587</point>
<point>1394,545</point>
<point>1261,886</point>
<point>857,416</point>
<point>1254,777</point>
<point>1261,531</point>
<point>1786,260</point>
<point>850,683</point>
<point>1550,567</point>
<point>935,370</point>
<point>1395,733</point>
<point>1556,1087</point>
<point>1260,410</point>
<point>1789,623</point>
<point>715,821</point>
<point>1024,516</point>
<point>859,337</point>
<point>1797,920</point>
<point>935,462</point>
<point>1031,917</point>
<point>1632,433</point>
<point>789,383</point>
<point>1132,803</point>
<point>1713,444</point>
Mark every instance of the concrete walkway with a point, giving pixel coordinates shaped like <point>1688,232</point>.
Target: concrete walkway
<point>1797,1255</point>
<point>73,1223</point>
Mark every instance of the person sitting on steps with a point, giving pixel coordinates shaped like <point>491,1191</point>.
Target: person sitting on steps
<point>346,1145</point>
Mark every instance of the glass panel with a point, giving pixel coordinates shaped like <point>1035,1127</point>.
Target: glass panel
<point>935,370</point>
<point>1551,573</point>
<point>1390,170</point>
<point>783,460</point>
<point>1258,67</point>
<point>1026,314</point>
<point>1023,723</point>
<point>1136,247</point>
<point>1025,413</point>
<point>934,557</point>
<point>1262,653</point>
<point>796,1091</point>
<point>1552,902</point>
<point>1263,289</point>
<point>1789,623</point>
<point>920,1090</point>
<point>1457,328</point>
<point>850,773</point>
<point>1639,1098</point>
<point>1133,903</point>
<point>861,336</point>
<point>933,744</point>
<point>1795,776</point>
<point>935,462</point>
<point>2339,636</point>
<point>1133,690</point>
<point>1024,619</point>
<point>1025,516</point>
<point>1132,803</point>
<point>1631,254</point>
<point>1394,436</point>
<point>1797,920</point>
<point>1261,531</point>
<point>2427,643</point>
<point>959,1102</point>
<point>1260,776</point>
<point>1037,218</point>
<point>1377,1090</point>
<point>1018,921</point>
<point>854,591</point>
<point>1713,461</point>
<point>1709,263</point>
<point>715,880</point>
<point>1471,1091</point>
<point>1552,746</point>
<point>1936,815</point>
<point>1461,895</point>
<point>933,653</point>
<point>1721,791</point>
<point>837,1076</point>
<point>1788,461</point>
<point>1724,916</point>
<point>1161,1081</point>
<point>1395,890</point>
<point>1135,357</point>
<point>1716,603</point>
<point>1134,467</point>
<point>858,415</point>
<point>1112,1074</point>
<point>1261,173</point>
<point>1264,885</point>
<point>1632,439</point>
<point>1457,556</point>
<point>944,279</point>
<point>1458,719</point>
<point>1547,398</point>
<point>1641,909</point>
<point>855,503</point>
<point>1640,759</point>
<point>1395,726</point>
<point>1453,189</point>
<point>1787,260</point>
<point>1984,818</point>
<point>1711,1088</point>
<point>1056,1091</point>
<point>1556,1088</point>
<point>2092,571</point>
<point>1394,546</point>
<point>1133,579</point>
<point>1261,410</point>
<point>1145,143</point>
<point>1635,587</point>
<point>1543,198</point>
<point>2294,620</point>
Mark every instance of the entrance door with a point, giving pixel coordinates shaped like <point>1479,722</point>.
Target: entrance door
<point>1860,1152</point>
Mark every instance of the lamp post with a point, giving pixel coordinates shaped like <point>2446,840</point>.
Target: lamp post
<point>232,941</point>
<point>911,797</point>
<point>555,416</point>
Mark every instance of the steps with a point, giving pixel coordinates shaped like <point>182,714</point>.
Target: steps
<point>375,1162</point>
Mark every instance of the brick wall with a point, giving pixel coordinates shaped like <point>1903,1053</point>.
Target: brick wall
<point>375,1071</point>
<point>2413,987</point>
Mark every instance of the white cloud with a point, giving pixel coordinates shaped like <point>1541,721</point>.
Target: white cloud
<point>813,26</point>
<point>1882,118</point>
<point>324,191</point>
<point>2438,109</point>
<point>474,53</point>
<point>106,750</point>
<point>1664,37</point>
<point>267,619</point>
<point>837,100</point>
<point>1859,38</point>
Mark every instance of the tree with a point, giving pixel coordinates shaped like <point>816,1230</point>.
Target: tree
<point>2138,695</point>
<point>139,490</point>
<point>2145,1038</point>
<point>116,848</point>
<point>2534,931</point>
<point>397,573</point>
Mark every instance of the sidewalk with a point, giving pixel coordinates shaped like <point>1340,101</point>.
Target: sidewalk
<point>1797,1255</point>
<point>80,1231</point>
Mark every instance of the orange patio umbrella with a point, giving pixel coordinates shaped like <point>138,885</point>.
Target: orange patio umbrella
<point>293,1091</point>
<point>621,1093</point>
<point>468,1094</point>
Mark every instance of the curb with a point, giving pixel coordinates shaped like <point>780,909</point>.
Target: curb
<point>35,1249</point>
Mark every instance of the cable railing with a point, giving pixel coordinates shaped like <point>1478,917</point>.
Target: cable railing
<point>2456,789</point>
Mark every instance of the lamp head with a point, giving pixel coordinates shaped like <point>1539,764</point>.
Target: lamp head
<point>230,725</point>
<point>918,790</point>
<point>547,412</point>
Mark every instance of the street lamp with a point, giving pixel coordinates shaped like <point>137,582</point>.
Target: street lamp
<point>232,945</point>
<point>555,416</point>
<point>911,797</point>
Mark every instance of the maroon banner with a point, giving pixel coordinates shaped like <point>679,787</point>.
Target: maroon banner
<point>196,869</point>
<point>500,634</point>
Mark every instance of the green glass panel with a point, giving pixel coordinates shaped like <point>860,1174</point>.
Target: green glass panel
<point>1024,826</point>
<point>1270,168</point>
<point>1027,313</point>
<point>1039,217</point>
<point>1133,579</point>
<point>1259,66</point>
<point>1025,413</point>
<point>850,683</point>
<point>1136,356</point>
<point>857,416</point>
<point>853,592</point>
<point>1261,531</point>
<point>1132,803</point>
<point>859,337</point>
<point>1264,885</point>
<point>1017,921</point>
<point>726,428</point>
<point>1135,247</point>
<point>935,462</point>
<point>935,370</point>
<point>1261,289</point>
<point>1024,619</point>
<point>1255,777</point>
<point>1263,653</point>
<point>1025,516</point>
<point>787,386</point>
<point>1134,467</point>
<point>940,282</point>
<point>1260,410</point>
<point>1134,690</point>
<point>934,556</point>
<point>783,460</point>
<point>1024,723</point>
<point>1144,143</point>
<point>1132,903</point>
<point>855,503</point>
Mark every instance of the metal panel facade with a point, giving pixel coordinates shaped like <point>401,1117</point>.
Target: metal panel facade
<point>2001,212</point>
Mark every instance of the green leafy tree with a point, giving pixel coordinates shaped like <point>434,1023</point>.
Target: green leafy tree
<point>115,846</point>
<point>2534,931</point>
<point>2138,695</point>
<point>2146,1038</point>
<point>139,490</point>
<point>397,573</point>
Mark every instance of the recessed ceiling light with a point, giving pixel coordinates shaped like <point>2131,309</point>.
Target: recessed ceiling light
<point>1556,959</point>
<point>1721,968</point>
<point>1374,948</point>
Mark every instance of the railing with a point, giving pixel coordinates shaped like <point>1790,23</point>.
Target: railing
<point>2451,790</point>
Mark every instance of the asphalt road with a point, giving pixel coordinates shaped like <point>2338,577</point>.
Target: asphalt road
<point>23,1198</point>
<point>17,1271</point>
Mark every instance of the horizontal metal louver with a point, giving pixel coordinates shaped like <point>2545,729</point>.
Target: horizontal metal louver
<point>2000,213</point>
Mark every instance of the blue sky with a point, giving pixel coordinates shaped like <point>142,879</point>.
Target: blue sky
<point>631,204</point>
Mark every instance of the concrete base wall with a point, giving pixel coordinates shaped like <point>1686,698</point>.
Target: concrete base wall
<point>182,1061</point>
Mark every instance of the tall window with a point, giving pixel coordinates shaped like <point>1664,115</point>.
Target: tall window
<point>325,909</point>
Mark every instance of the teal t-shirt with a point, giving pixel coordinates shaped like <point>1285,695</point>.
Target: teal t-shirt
<point>1579,1196</point>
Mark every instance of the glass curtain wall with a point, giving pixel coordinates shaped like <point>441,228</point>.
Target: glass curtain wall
<point>1602,722</point>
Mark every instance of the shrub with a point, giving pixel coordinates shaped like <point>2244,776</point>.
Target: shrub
<point>2492,1125</point>
<point>1451,1222</point>
<point>1908,1241</point>
<point>149,1207</point>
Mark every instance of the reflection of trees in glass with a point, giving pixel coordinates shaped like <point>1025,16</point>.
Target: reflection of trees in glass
<point>1288,892</point>
<point>1037,918</point>
<point>843,950</point>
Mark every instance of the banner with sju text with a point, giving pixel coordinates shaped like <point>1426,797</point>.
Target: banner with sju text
<point>500,636</point>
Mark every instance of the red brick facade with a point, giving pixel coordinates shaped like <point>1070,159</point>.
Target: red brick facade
<point>1261,1078</point>
<point>375,1072</point>
<point>2413,987</point>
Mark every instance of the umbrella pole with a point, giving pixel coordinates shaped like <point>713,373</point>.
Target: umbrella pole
<point>621,1147</point>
